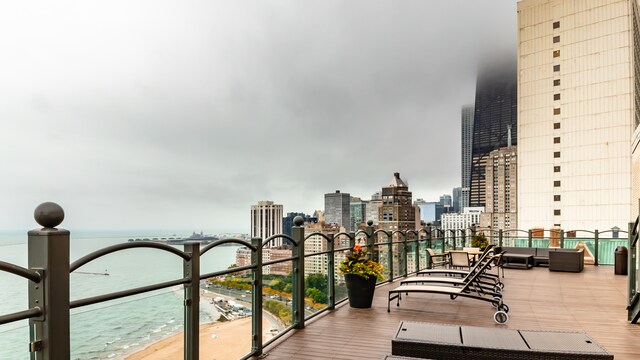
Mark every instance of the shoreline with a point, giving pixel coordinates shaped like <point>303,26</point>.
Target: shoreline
<point>218,340</point>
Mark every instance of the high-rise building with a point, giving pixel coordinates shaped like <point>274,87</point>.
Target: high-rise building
<point>501,210</point>
<point>457,197</point>
<point>495,114</point>
<point>358,212</point>
<point>337,209</point>
<point>266,221</point>
<point>373,206</point>
<point>467,145</point>
<point>397,211</point>
<point>315,244</point>
<point>287,221</point>
<point>578,104</point>
<point>461,221</point>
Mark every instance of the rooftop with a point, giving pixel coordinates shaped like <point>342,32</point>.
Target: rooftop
<point>593,301</point>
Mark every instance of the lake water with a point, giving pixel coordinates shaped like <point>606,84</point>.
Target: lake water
<point>112,329</point>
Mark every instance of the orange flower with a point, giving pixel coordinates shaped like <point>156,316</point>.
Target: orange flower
<point>356,248</point>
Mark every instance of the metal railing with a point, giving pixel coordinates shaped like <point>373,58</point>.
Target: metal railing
<point>401,252</point>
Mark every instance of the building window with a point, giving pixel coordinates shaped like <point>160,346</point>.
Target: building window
<point>556,24</point>
<point>556,39</point>
<point>556,96</point>
<point>556,183</point>
<point>556,169</point>
<point>556,197</point>
<point>556,111</point>
<point>556,154</point>
<point>556,68</point>
<point>556,140</point>
<point>556,212</point>
<point>556,53</point>
<point>556,82</point>
<point>556,125</point>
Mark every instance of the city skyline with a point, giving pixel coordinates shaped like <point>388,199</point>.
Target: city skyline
<point>183,116</point>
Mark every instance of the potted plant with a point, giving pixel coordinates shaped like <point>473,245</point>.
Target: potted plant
<point>480,241</point>
<point>360,275</point>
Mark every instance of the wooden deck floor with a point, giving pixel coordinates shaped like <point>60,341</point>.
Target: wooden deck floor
<point>593,301</point>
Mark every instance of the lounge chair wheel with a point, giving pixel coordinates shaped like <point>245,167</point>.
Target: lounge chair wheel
<point>496,302</point>
<point>501,317</point>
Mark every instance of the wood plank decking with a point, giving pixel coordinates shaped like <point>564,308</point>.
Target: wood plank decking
<point>593,301</point>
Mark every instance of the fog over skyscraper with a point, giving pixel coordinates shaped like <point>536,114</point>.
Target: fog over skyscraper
<point>495,111</point>
<point>467,143</point>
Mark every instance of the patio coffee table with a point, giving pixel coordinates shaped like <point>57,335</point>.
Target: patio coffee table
<point>528,261</point>
<point>443,341</point>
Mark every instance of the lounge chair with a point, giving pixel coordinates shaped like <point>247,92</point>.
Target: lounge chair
<point>482,286</point>
<point>501,315</point>
<point>462,273</point>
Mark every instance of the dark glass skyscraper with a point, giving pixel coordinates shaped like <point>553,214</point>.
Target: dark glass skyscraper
<point>495,113</point>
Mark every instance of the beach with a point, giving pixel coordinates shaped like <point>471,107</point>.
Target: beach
<point>218,341</point>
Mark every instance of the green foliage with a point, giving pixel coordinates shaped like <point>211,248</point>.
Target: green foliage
<point>318,281</point>
<point>480,241</point>
<point>316,295</point>
<point>358,263</point>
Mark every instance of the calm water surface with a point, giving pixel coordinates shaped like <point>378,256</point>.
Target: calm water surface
<point>113,329</point>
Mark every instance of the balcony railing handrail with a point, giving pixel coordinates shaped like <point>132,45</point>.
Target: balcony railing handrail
<point>192,255</point>
<point>125,246</point>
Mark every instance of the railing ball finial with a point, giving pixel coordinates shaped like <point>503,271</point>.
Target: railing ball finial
<point>369,222</point>
<point>298,220</point>
<point>49,214</point>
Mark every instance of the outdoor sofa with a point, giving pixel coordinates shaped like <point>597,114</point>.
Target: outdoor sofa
<point>563,259</point>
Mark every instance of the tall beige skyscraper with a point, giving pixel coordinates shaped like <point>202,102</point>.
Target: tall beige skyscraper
<point>577,79</point>
<point>501,190</point>
<point>266,220</point>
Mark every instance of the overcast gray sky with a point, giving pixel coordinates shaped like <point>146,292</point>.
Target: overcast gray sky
<point>181,114</point>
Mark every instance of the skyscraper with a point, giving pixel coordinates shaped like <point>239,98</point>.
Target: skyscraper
<point>337,209</point>
<point>578,105</point>
<point>457,197</point>
<point>501,211</point>
<point>495,113</point>
<point>358,212</point>
<point>397,211</point>
<point>266,221</point>
<point>467,144</point>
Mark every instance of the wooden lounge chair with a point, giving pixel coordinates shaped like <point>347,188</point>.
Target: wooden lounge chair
<point>501,315</point>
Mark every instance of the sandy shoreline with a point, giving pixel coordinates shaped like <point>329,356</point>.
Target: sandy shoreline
<point>218,341</point>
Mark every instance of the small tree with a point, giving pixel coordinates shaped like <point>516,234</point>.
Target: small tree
<point>480,241</point>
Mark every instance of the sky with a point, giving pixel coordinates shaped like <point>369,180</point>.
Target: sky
<point>181,114</point>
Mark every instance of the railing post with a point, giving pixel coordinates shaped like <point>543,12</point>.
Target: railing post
<point>631,265</point>
<point>390,254</point>
<point>417,251</point>
<point>48,254</point>
<point>561,239</point>
<point>454,239</point>
<point>595,249</point>
<point>370,240</point>
<point>529,238</point>
<point>428,259</point>
<point>256,301</point>
<point>500,237</point>
<point>297,233</point>
<point>404,254</point>
<point>331,271</point>
<point>191,270</point>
